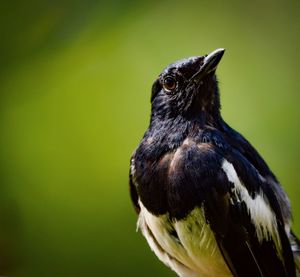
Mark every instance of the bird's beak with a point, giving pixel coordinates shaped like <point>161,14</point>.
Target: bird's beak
<point>210,64</point>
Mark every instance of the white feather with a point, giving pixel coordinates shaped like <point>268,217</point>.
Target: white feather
<point>193,253</point>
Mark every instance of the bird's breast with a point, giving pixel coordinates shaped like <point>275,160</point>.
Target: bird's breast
<point>154,175</point>
<point>162,183</point>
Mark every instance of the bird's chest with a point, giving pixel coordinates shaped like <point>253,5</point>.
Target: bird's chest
<point>164,181</point>
<point>188,245</point>
<point>152,177</point>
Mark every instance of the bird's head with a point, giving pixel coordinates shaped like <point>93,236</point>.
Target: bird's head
<point>187,88</point>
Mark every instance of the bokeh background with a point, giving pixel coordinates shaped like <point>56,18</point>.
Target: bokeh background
<point>75,79</point>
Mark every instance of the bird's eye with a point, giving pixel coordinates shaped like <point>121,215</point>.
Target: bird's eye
<point>169,83</point>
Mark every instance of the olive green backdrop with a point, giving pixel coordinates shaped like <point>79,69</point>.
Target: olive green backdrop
<point>75,79</point>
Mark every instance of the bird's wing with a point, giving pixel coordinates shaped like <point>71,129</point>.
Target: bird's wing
<point>242,212</point>
<point>244,148</point>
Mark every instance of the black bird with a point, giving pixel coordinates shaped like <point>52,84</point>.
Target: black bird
<point>208,203</point>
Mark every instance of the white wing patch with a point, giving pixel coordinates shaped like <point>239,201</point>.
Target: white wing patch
<point>259,208</point>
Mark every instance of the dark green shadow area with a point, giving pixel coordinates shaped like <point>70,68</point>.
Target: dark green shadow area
<point>75,79</point>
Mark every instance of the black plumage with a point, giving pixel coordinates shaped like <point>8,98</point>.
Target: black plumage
<point>190,159</point>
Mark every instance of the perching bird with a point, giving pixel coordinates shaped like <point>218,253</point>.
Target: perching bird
<point>208,203</point>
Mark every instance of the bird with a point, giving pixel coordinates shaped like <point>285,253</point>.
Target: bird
<point>207,202</point>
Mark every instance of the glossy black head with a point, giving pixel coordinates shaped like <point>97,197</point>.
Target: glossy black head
<point>187,87</point>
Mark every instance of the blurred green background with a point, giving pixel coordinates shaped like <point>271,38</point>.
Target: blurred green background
<point>75,79</point>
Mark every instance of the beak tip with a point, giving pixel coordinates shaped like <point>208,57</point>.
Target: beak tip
<point>210,64</point>
<point>216,53</point>
<point>219,51</point>
<point>211,61</point>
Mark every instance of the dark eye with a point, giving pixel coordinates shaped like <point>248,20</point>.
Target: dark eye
<point>169,83</point>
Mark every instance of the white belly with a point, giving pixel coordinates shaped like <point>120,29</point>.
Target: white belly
<point>187,246</point>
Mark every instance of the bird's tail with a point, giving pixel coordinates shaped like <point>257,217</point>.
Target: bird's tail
<point>295,244</point>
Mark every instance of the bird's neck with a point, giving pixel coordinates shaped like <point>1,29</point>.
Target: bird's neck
<point>165,135</point>
<point>187,122</point>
